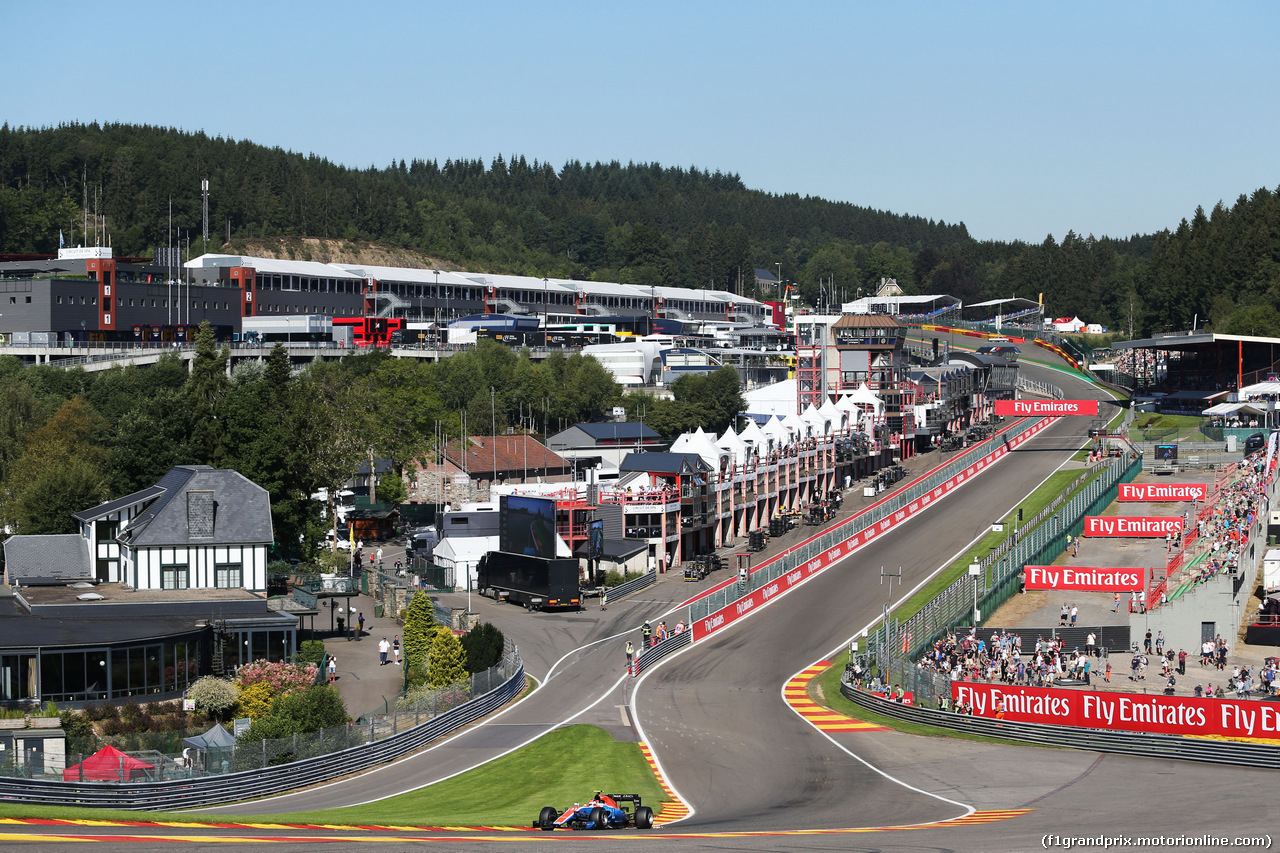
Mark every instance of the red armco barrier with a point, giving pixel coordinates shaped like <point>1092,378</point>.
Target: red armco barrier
<point>758,598</point>
<point>1083,579</point>
<point>1151,492</point>
<point>1130,712</point>
<point>1132,525</point>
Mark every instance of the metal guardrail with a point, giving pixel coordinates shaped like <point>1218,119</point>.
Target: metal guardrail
<point>653,654</point>
<point>633,585</point>
<point>233,787</point>
<point>1044,389</point>
<point>1093,740</point>
<point>801,554</point>
<point>1042,536</point>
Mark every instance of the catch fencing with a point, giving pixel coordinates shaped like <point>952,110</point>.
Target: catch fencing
<point>1037,542</point>
<point>1095,740</point>
<point>819,545</point>
<point>282,764</point>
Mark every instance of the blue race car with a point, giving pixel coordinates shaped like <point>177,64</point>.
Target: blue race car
<point>604,811</point>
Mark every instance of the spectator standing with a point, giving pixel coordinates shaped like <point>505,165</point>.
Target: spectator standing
<point>1075,611</point>
<point>1146,642</point>
<point>383,648</point>
<point>333,669</point>
<point>360,622</point>
<point>1090,643</point>
<point>395,648</point>
<point>1182,661</point>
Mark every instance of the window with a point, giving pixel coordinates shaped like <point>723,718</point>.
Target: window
<point>175,576</point>
<point>228,575</point>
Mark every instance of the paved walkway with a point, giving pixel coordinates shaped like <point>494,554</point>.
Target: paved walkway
<point>1042,609</point>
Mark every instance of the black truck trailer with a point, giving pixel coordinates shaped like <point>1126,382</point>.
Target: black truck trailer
<point>536,582</point>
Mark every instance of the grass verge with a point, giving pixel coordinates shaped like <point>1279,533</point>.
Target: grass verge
<point>560,768</point>
<point>1044,495</point>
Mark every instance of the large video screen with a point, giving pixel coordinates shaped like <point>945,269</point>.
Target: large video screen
<point>527,526</point>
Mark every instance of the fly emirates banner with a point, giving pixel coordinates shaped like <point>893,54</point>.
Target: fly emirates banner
<point>1132,712</point>
<point>1132,525</point>
<point>1028,408</point>
<point>1083,579</point>
<point>1163,491</point>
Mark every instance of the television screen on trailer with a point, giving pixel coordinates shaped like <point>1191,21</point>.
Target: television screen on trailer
<point>527,526</point>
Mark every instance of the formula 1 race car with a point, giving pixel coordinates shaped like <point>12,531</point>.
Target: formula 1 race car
<point>604,811</point>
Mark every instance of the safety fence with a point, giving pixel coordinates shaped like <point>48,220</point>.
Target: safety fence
<point>259,770</point>
<point>1039,540</point>
<point>827,546</point>
<point>1094,740</point>
<point>657,652</point>
<point>633,585</point>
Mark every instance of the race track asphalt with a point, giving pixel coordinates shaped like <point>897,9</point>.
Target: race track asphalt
<point>715,718</point>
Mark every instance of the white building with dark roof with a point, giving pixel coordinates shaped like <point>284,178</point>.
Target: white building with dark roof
<point>198,528</point>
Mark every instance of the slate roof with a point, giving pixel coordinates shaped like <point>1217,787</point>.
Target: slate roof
<point>625,431</point>
<point>200,505</point>
<point>93,623</point>
<point>118,504</point>
<point>663,463</point>
<point>47,559</point>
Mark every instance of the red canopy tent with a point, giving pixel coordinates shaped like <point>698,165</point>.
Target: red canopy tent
<point>107,765</point>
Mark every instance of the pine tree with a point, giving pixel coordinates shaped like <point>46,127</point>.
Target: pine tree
<point>419,626</point>
<point>447,662</point>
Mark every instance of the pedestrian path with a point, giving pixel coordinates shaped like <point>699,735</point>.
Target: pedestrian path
<point>796,694</point>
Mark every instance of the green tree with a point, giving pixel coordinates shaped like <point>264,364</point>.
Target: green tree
<point>483,645</point>
<point>61,471</point>
<point>419,626</point>
<point>446,660</point>
<point>318,707</point>
<point>204,393</point>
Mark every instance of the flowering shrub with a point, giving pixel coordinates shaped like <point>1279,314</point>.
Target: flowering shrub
<point>281,677</point>
<point>211,695</point>
<point>255,700</point>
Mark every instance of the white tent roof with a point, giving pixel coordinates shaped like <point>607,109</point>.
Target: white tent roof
<point>754,437</point>
<point>1232,408</point>
<point>776,399</point>
<point>821,424</point>
<point>798,427</point>
<point>1260,389</point>
<point>733,443</point>
<point>866,397</point>
<point>839,417</point>
<point>459,551</point>
<point>700,443</point>
<point>775,430</point>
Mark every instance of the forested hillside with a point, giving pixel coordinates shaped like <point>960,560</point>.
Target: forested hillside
<point>641,223</point>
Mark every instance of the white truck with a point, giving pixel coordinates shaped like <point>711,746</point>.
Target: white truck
<point>1271,570</point>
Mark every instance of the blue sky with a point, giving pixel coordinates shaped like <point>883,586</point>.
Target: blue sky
<point>1018,119</point>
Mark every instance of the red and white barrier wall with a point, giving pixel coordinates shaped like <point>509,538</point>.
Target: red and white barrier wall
<point>736,610</point>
